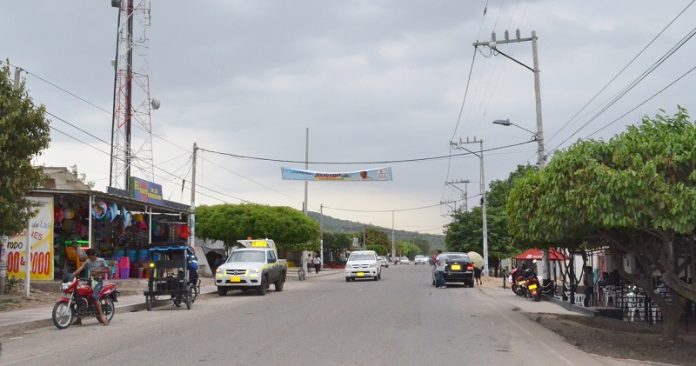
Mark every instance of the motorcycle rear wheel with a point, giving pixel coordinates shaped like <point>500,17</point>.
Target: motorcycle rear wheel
<point>62,315</point>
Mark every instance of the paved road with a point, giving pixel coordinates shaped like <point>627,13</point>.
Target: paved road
<point>400,320</point>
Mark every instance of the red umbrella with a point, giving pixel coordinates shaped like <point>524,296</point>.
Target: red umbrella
<point>538,254</point>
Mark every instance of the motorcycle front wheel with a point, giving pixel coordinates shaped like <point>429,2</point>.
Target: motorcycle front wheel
<point>62,315</point>
<point>107,305</point>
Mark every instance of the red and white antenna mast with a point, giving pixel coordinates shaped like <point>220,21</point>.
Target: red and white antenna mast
<point>131,152</point>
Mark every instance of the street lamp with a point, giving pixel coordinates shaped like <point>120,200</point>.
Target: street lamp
<point>535,137</point>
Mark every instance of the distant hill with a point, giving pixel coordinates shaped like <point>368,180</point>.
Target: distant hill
<point>334,224</point>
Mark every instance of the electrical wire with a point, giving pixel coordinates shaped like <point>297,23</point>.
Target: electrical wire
<point>438,157</point>
<point>645,101</point>
<point>634,83</point>
<point>621,71</point>
<point>393,210</point>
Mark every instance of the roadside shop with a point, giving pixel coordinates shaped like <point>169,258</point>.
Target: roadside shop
<point>119,226</point>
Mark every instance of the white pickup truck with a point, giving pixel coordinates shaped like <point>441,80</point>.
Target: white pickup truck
<point>255,266</point>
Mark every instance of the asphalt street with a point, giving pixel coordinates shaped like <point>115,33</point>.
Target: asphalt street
<point>400,320</point>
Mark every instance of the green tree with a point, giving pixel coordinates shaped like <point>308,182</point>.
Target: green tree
<point>24,132</point>
<point>408,249</point>
<point>375,236</point>
<point>289,228</point>
<point>338,240</point>
<point>423,244</point>
<point>377,248</point>
<point>635,193</point>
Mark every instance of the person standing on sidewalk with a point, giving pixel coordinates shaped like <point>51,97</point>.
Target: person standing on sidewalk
<point>477,276</point>
<point>440,264</point>
<point>317,263</point>
<point>588,282</point>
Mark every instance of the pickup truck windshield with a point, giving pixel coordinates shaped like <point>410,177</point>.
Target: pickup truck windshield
<point>361,257</point>
<point>248,256</point>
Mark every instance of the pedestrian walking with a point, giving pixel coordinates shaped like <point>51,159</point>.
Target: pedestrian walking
<point>504,273</point>
<point>317,263</point>
<point>440,264</point>
<point>477,276</point>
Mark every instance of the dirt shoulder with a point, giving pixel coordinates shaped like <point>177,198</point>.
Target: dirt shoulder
<point>619,339</point>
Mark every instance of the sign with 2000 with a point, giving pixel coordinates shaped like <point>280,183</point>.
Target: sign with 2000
<point>41,244</point>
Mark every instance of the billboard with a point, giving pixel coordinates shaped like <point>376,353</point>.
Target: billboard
<point>367,175</point>
<point>145,191</point>
<point>41,244</point>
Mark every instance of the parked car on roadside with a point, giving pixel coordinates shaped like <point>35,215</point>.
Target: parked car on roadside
<point>459,268</point>
<point>383,261</point>
<point>420,259</point>
<point>404,260</point>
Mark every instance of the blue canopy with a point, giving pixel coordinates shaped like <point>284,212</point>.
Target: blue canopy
<point>171,248</point>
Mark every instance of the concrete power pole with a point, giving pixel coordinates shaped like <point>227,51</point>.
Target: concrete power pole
<point>482,186</point>
<point>192,215</point>
<point>321,234</point>
<point>306,165</point>
<point>393,248</point>
<point>541,159</point>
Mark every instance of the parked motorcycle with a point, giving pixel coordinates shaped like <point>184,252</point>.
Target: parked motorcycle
<point>532,285</point>
<point>78,302</point>
<point>519,283</point>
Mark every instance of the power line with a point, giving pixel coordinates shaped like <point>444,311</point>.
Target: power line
<point>645,101</point>
<point>621,71</point>
<point>438,157</point>
<point>634,83</point>
<point>394,210</point>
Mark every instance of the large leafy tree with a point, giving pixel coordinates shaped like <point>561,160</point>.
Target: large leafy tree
<point>635,193</point>
<point>375,236</point>
<point>289,228</point>
<point>24,132</point>
<point>408,249</point>
<point>464,234</point>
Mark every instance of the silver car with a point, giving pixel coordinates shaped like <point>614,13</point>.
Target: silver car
<point>383,261</point>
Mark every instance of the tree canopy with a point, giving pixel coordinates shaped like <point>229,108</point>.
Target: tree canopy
<point>289,228</point>
<point>635,193</point>
<point>24,132</point>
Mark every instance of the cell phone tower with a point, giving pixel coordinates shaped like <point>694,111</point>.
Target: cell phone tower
<point>131,152</point>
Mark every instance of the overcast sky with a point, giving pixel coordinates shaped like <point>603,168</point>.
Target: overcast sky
<point>372,80</point>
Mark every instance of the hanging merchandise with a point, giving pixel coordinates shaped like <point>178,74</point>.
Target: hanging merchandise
<point>113,212</point>
<point>184,231</point>
<point>69,213</point>
<point>58,215</point>
<point>127,219</point>
<point>138,217</point>
<point>100,210</point>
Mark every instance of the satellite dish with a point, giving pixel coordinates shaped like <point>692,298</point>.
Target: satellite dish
<point>155,103</point>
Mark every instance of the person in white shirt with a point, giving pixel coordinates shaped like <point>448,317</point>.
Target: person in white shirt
<point>317,263</point>
<point>440,265</point>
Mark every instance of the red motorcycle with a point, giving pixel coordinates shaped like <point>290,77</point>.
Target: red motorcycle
<point>519,283</point>
<point>78,302</point>
<point>533,286</point>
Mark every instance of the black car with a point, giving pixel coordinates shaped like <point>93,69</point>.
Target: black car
<point>460,268</point>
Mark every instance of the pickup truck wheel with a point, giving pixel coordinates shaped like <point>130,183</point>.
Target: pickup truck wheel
<point>264,286</point>
<point>279,284</point>
<point>222,291</point>
<point>347,279</point>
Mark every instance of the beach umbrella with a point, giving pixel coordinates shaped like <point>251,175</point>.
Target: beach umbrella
<point>477,259</point>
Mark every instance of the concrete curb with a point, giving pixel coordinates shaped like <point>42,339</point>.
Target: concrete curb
<point>569,306</point>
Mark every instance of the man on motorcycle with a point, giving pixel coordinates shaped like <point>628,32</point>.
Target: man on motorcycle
<point>97,267</point>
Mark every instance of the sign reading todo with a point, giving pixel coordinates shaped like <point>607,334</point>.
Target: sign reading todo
<point>41,242</point>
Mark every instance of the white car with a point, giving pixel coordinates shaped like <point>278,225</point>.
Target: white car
<point>420,259</point>
<point>383,261</point>
<point>404,260</point>
<point>363,264</point>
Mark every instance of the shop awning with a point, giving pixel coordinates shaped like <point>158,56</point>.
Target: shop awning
<point>538,254</point>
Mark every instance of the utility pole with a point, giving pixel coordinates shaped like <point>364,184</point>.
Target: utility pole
<point>321,234</point>
<point>192,215</point>
<point>306,165</point>
<point>18,72</point>
<point>453,183</point>
<point>493,45</point>
<point>482,185</point>
<point>393,251</point>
